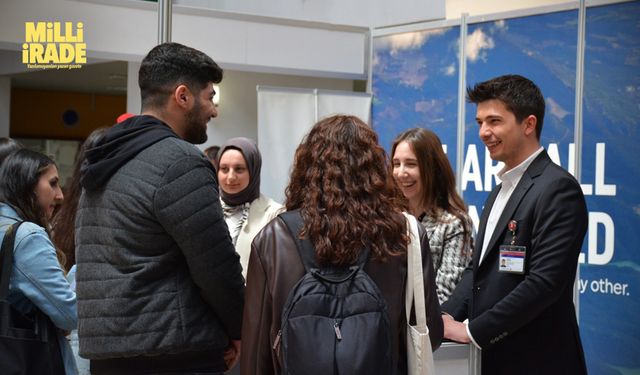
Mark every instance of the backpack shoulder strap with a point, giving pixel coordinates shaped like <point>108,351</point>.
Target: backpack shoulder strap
<point>363,257</point>
<point>6,258</point>
<point>294,223</point>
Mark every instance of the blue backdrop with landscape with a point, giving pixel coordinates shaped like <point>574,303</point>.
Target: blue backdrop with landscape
<point>415,83</point>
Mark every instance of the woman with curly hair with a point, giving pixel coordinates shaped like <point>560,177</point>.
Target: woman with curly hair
<point>341,188</point>
<point>423,173</point>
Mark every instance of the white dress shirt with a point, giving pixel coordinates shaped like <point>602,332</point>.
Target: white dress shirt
<point>510,179</point>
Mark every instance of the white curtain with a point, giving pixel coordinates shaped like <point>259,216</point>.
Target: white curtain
<point>285,116</point>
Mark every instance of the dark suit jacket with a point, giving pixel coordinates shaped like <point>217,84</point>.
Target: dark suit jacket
<point>526,324</point>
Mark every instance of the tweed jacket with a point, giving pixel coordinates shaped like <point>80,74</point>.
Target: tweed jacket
<point>450,252</point>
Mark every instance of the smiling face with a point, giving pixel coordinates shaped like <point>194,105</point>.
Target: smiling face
<point>48,191</point>
<point>507,140</point>
<point>233,174</point>
<point>406,173</point>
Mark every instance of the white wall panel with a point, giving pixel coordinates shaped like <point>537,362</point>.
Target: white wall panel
<point>353,12</point>
<point>127,30</point>
<point>338,103</point>
<point>285,116</point>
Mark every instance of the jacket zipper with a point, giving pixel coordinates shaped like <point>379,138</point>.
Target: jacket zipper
<point>336,327</point>
<point>276,342</point>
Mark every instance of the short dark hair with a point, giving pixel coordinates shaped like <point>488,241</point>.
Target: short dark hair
<point>171,64</point>
<point>519,94</point>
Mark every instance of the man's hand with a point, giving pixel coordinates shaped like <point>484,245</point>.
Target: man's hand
<point>454,330</point>
<point>232,354</point>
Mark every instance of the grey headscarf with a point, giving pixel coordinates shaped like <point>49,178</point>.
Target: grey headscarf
<point>252,157</point>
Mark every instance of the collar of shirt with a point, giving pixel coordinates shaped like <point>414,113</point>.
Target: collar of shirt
<point>509,179</point>
<point>512,176</point>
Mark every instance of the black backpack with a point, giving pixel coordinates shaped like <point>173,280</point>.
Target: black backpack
<point>335,320</point>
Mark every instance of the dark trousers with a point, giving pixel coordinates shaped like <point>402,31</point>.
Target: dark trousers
<point>185,363</point>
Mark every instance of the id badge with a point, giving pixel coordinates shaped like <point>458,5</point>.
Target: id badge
<point>512,259</point>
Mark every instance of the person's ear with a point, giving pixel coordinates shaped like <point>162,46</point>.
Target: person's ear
<point>182,96</point>
<point>530,125</point>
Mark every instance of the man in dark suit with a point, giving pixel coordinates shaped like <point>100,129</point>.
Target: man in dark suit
<point>521,315</point>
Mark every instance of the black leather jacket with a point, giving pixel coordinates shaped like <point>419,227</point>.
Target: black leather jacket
<point>274,269</point>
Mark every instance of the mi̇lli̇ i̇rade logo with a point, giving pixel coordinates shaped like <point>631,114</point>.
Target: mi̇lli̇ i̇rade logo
<point>54,45</point>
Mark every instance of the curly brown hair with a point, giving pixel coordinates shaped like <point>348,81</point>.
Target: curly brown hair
<point>341,184</point>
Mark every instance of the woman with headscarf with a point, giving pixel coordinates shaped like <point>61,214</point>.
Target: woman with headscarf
<point>246,211</point>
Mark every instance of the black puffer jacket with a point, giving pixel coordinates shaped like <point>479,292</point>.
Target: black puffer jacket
<point>157,272</point>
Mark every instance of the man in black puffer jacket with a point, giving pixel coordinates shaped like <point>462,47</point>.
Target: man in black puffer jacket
<point>159,283</point>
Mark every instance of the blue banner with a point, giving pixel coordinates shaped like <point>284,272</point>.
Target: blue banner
<point>541,48</point>
<point>610,273</point>
<point>414,86</point>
